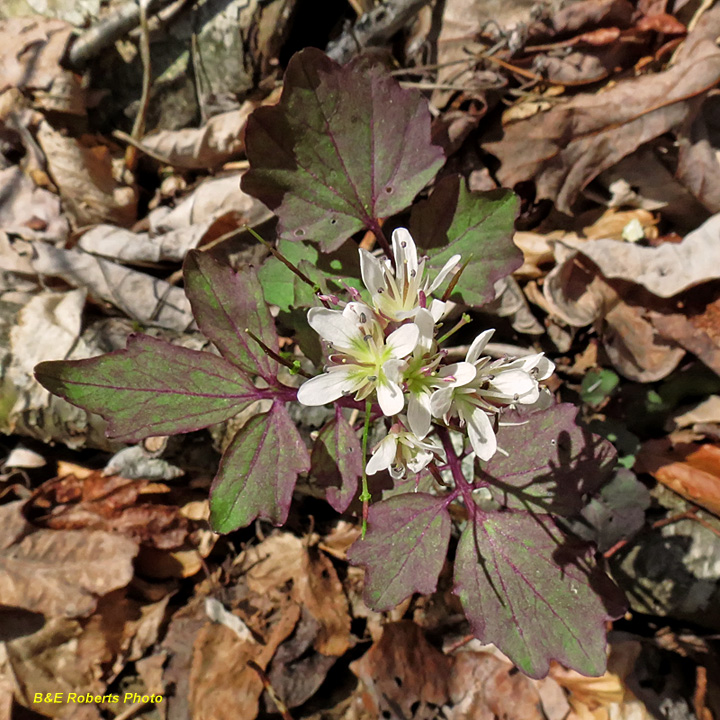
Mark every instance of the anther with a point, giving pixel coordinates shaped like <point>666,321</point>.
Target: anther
<point>363,319</point>
<point>372,378</point>
<point>403,244</point>
<point>367,338</point>
<point>413,273</point>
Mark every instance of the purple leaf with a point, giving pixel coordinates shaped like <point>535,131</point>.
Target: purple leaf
<point>258,472</point>
<point>478,226</point>
<point>226,304</point>
<point>151,388</point>
<point>551,464</point>
<point>344,147</point>
<point>337,461</point>
<point>404,549</point>
<point>526,590</point>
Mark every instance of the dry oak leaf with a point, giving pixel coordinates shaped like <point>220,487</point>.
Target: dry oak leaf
<point>665,270</point>
<point>60,572</point>
<point>692,471</point>
<point>563,149</point>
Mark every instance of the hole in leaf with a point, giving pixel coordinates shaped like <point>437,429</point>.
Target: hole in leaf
<point>333,221</point>
<point>299,232</point>
<point>386,714</point>
<point>398,681</point>
<point>414,708</point>
<point>388,190</point>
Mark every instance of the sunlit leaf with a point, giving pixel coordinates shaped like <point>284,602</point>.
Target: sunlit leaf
<point>536,597</point>
<point>258,472</point>
<point>478,226</point>
<point>337,461</point>
<point>226,305</point>
<point>404,549</point>
<point>344,147</point>
<point>151,388</point>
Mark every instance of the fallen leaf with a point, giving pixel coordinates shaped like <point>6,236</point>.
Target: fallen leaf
<point>563,149</point>
<point>580,16</point>
<point>319,590</point>
<point>30,51</point>
<point>696,326</point>
<point>484,687</point>
<point>83,173</point>
<point>705,412</point>
<point>110,503</point>
<point>692,471</point>
<point>61,572</point>
<point>404,675</point>
<point>665,270</point>
<point>29,211</point>
<point>222,686</point>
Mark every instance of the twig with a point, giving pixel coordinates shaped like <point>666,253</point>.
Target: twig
<point>374,28</point>
<point>138,129</point>
<point>93,41</point>
<point>279,704</point>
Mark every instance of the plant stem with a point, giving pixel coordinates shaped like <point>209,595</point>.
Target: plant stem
<point>455,465</point>
<point>284,260</point>
<point>365,495</point>
<point>382,240</point>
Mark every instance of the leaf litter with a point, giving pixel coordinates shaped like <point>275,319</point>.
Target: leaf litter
<point>88,252</point>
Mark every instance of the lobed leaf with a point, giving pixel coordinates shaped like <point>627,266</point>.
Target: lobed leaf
<point>258,472</point>
<point>477,226</point>
<point>151,388</point>
<point>226,304</point>
<point>404,548</point>
<point>535,597</point>
<point>552,464</point>
<point>344,147</point>
<point>337,461</point>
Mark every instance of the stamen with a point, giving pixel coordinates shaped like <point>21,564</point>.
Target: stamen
<point>403,244</point>
<point>363,318</point>
<point>367,338</point>
<point>422,298</point>
<point>372,378</point>
<point>413,273</point>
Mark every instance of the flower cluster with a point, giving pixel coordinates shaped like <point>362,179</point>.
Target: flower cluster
<point>387,350</point>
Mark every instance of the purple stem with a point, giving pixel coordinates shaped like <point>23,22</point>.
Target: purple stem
<point>382,240</point>
<point>455,465</point>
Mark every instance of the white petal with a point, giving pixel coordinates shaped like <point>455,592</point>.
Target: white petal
<point>383,455</point>
<point>437,309</point>
<point>481,434</point>
<point>463,372</point>
<point>390,397</point>
<point>334,327</point>
<point>543,367</point>
<point>441,401</point>
<point>418,415</point>
<point>513,382</point>
<point>372,272</point>
<point>426,325</point>
<point>406,262</point>
<point>447,268</point>
<point>403,341</point>
<point>478,345</point>
<point>419,461</point>
<point>394,369</point>
<point>327,387</point>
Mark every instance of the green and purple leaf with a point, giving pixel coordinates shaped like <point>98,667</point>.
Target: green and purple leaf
<point>525,589</point>
<point>258,472</point>
<point>478,226</point>
<point>151,388</point>
<point>404,549</point>
<point>226,304</point>
<point>337,461</point>
<point>344,147</point>
<point>552,462</point>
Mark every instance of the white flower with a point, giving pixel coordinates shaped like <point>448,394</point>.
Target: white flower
<point>401,450</point>
<point>398,293</point>
<point>362,359</point>
<point>497,383</point>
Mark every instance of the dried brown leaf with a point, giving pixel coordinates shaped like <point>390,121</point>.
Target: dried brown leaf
<point>62,573</point>
<point>581,16</point>
<point>665,270</point>
<point>222,686</point>
<point>109,503</point>
<point>219,140</point>
<point>30,51</point>
<point>696,326</point>
<point>320,591</point>
<point>83,173</point>
<point>484,687</point>
<point>404,673</point>
<point>692,471</point>
<point>563,149</point>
